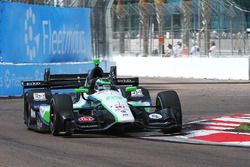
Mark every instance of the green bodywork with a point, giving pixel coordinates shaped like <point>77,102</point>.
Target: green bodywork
<point>130,89</point>
<point>45,113</point>
<point>139,104</point>
<point>81,90</point>
<point>46,116</point>
<point>107,107</point>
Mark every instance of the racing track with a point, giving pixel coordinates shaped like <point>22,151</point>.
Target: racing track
<point>22,148</point>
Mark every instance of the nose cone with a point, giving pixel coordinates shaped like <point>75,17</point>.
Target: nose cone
<point>117,105</point>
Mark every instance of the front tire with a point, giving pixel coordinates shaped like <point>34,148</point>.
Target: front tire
<point>169,99</point>
<point>60,103</point>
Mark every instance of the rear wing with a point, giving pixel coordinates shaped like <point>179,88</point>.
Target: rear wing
<point>57,81</point>
<point>126,81</point>
<point>71,81</point>
<point>122,81</point>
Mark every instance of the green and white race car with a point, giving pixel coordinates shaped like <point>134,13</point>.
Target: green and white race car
<point>100,102</point>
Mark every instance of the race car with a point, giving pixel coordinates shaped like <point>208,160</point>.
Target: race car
<point>97,101</point>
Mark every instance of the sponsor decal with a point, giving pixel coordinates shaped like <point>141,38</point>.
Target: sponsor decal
<point>39,97</point>
<point>155,116</point>
<point>53,41</point>
<point>86,119</point>
<point>33,83</point>
<point>119,105</point>
<point>31,40</point>
<point>124,81</point>
<point>88,126</point>
<point>7,79</point>
<point>137,93</point>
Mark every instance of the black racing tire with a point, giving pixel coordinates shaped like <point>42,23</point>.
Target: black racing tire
<point>25,112</point>
<point>170,99</point>
<point>29,120</point>
<point>59,103</point>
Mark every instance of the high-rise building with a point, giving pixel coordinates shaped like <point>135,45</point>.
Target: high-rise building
<point>245,5</point>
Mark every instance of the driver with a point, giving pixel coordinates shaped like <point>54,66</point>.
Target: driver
<point>102,84</point>
<point>93,76</point>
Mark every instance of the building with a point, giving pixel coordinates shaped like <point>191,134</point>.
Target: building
<point>222,21</point>
<point>245,5</point>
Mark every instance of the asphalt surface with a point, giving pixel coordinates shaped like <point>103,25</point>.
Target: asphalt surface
<point>20,147</point>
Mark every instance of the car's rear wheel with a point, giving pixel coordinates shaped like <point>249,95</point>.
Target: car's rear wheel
<point>58,126</point>
<point>169,99</point>
<point>29,121</point>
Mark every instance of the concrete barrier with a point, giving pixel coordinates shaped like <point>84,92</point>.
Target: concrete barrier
<point>210,68</point>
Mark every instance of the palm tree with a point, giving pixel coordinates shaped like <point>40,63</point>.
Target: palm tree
<point>160,12</point>
<point>187,15</point>
<point>145,29</point>
<point>120,11</point>
<point>206,20</point>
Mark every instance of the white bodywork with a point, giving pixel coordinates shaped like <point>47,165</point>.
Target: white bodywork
<point>115,103</point>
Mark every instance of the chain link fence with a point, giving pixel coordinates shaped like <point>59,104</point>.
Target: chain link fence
<point>196,23</point>
<point>60,3</point>
<point>228,43</point>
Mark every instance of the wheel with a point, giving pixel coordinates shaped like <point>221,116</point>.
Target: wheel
<point>170,99</point>
<point>25,112</point>
<point>60,104</point>
<point>29,120</point>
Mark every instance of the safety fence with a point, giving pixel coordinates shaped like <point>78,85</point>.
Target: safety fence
<point>228,44</point>
<point>149,28</point>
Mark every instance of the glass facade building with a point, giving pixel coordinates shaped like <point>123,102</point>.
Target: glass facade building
<point>245,5</point>
<point>136,22</point>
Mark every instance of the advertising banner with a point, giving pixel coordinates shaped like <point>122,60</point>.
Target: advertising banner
<point>44,34</point>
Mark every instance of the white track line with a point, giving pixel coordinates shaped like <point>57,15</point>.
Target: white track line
<point>219,124</point>
<point>232,119</point>
<point>218,128</point>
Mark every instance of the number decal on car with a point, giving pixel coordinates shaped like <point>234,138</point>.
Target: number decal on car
<point>137,93</point>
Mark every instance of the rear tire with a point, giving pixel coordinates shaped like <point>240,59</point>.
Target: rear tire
<point>170,99</point>
<point>59,103</point>
<point>29,120</point>
<point>25,112</point>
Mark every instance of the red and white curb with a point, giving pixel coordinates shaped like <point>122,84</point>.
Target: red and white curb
<point>215,131</point>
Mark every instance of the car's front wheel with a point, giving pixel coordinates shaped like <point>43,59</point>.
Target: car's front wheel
<point>61,104</point>
<point>169,99</point>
